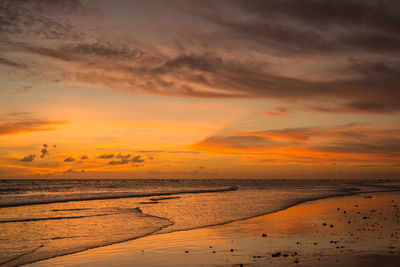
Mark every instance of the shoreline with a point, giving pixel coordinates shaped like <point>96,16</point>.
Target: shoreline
<point>221,190</point>
<point>155,234</point>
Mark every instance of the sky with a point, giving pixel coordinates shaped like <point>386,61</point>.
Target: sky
<point>200,89</point>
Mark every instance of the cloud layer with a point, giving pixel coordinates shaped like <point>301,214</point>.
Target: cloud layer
<point>345,53</point>
<point>351,144</point>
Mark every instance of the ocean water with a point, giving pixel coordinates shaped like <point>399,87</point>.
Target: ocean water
<point>40,219</point>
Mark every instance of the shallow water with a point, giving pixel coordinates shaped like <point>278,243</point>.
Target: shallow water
<point>40,219</point>
<point>370,239</point>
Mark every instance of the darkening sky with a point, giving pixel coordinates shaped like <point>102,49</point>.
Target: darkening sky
<point>200,89</point>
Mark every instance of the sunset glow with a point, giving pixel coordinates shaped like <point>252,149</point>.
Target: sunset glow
<point>193,89</point>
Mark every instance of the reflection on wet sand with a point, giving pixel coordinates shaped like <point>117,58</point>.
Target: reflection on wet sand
<point>361,230</point>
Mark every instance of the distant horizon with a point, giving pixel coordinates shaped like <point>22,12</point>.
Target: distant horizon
<point>177,179</point>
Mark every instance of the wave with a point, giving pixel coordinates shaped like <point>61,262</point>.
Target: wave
<point>344,192</point>
<point>78,209</point>
<point>169,222</point>
<point>136,195</point>
<point>12,191</point>
<point>163,198</point>
<point>151,225</point>
<point>51,218</point>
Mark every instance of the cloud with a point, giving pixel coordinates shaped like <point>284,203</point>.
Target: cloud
<point>28,158</point>
<point>361,107</point>
<point>106,156</point>
<point>120,162</point>
<point>84,157</point>
<point>19,113</point>
<point>69,159</point>
<point>8,127</point>
<point>136,159</point>
<point>73,171</point>
<point>44,151</point>
<point>343,53</point>
<point>168,151</point>
<point>24,18</point>
<point>11,63</point>
<point>120,156</point>
<point>339,108</point>
<point>349,144</point>
<point>309,26</point>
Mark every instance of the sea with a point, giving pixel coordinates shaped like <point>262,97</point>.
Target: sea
<point>41,219</point>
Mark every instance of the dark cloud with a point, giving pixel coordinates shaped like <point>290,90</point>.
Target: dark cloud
<point>84,157</point>
<point>44,151</point>
<point>378,15</point>
<point>39,18</point>
<point>83,53</point>
<point>360,107</point>
<point>119,162</point>
<point>168,151</point>
<point>73,171</point>
<point>103,50</point>
<point>376,82</point>
<point>311,25</point>
<point>121,156</point>
<point>350,49</point>
<point>11,63</point>
<point>106,156</point>
<point>28,158</point>
<point>357,107</point>
<point>69,159</point>
<point>137,159</point>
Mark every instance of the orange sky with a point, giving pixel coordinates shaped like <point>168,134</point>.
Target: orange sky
<point>179,89</point>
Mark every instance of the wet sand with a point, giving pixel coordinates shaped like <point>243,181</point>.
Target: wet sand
<point>359,230</point>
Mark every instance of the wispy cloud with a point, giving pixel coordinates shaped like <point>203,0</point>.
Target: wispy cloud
<point>350,144</point>
<point>69,159</point>
<point>8,127</point>
<point>121,156</point>
<point>28,158</point>
<point>11,63</point>
<point>106,156</point>
<point>136,159</point>
<point>119,162</point>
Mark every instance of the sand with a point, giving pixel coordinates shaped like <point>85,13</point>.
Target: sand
<point>359,230</point>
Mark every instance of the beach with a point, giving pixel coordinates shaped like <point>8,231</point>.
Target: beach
<point>166,133</point>
<point>356,230</point>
